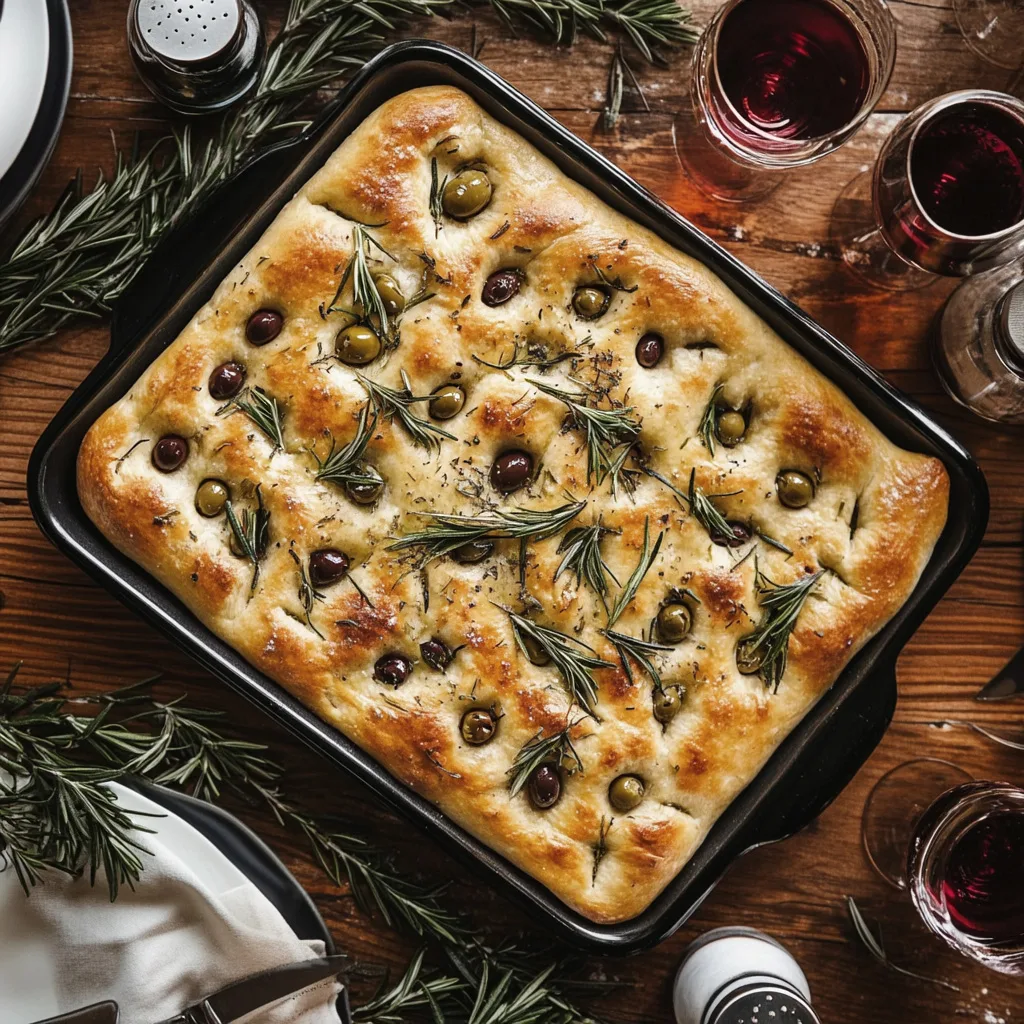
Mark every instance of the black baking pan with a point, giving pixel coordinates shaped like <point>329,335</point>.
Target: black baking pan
<point>812,765</point>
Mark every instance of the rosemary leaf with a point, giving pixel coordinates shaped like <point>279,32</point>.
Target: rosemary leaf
<point>436,193</point>
<point>397,407</point>
<point>639,650</point>
<point>582,555</point>
<point>701,505</point>
<point>308,594</point>
<point>554,749</point>
<point>643,565</point>
<point>251,532</point>
<point>531,354</point>
<point>709,420</point>
<point>366,298</point>
<point>344,466</point>
<point>573,664</point>
<point>446,532</point>
<point>263,410</point>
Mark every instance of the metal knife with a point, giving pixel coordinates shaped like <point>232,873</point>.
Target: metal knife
<point>235,1000</point>
<point>1007,682</point>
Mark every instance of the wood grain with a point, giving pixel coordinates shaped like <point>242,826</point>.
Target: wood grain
<point>57,621</point>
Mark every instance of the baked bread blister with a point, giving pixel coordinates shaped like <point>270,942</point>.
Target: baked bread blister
<point>522,500</point>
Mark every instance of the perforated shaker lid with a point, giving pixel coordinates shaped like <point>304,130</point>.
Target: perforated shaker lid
<point>1012,318</point>
<point>764,1004</point>
<point>188,31</point>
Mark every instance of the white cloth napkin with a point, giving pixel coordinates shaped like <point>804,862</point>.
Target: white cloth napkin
<point>193,924</point>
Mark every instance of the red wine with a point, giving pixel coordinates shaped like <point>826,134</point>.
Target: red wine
<point>983,881</point>
<point>967,168</point>
<point>796,69</point>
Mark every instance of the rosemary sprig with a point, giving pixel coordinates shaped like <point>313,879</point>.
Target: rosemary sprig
<point>701,505</point>
<point>446,532</point>
<point>533,353</point>
<point>608,431</point>
<point>556,748</point>
<point>618,71</point>
<point>366,298</point>
<point>574,665</point>
<point>397,406</point>
<point>343,466</point>
<point>76,260</point>
<point>582,555</point>
<point>643,565</point>
<point>873,944</point>
<point>601,846</point>
<point>308,594</point>
<point>436,193</point>
<point>251,532</point>
<point>709,419</point>
<point>781,604</point>
<point>263,410</point>
<point>639,650</point>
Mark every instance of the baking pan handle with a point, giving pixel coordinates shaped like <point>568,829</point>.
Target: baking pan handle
<point>826,764</point>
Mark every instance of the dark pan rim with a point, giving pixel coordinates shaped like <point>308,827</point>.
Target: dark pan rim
<point>821,754</point>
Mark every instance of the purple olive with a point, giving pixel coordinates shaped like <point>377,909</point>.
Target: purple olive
<point>169,453</point>
<point>501,286</point>
<point>263,326</point>
<point>327,566</point>
<point>544,787</point>
<point>392,669</point>
<point>226,381</point>
<point>741,533</point>
<point>511,470</point>
<point>436,653</point>
<point>649,350</point>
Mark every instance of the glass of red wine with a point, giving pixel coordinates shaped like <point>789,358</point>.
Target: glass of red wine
<point>778,84</point>
<point>994,30</point>
<point>946,195</point>
<point>957,845</point>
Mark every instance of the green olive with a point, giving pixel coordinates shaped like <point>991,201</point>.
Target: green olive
<point>749,655</point>
<point>357,345</point>
<point>590,302</point>
<point>466,194</point>
<point>730,427</point>
<point>211,497</point>
<point>674,622</point>
<point>390,294</point>
<point>446,401</point>
<point>668,702</point>
<point>626,792</point>
<point>795,489</point>
<point>478,727</point>
<point>366,491</point>
<point>534,650</point>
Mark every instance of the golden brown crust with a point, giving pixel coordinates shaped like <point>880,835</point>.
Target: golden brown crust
<point>556,233</point>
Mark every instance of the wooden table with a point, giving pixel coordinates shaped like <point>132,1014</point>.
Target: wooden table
<point>53,617</point>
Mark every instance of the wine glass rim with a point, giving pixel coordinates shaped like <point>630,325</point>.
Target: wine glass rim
<point>939,105</point>
<point>847,128</point>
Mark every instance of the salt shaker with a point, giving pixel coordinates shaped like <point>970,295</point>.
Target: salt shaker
<point>741,976</point>
<point>978,349</point>
<point>196,56</point>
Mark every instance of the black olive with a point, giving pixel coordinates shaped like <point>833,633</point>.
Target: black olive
<point>741,533</point>
<point>544,787</point>
<point>365,492</point>
<point>626,792</point>
<point>668,703</point>
<point>674,622</point>
<point>501,286</point>
<point>473,551</point>
<point>511,470</point>
<point>590,302</point>
<point>392,669</point>
<point>436,653</point>
<point>649,350</point>
<point>730,427</point>
<point>327,566</point>
<point>478,727</point>
<point>795,489</point>
<point>263,326</point>
<point>169,453</point>
<point>226,381</point>
<point>749,655</point>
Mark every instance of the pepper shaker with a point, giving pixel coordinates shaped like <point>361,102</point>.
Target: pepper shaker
<point>741,976</point>
<point>196,56</point>
<point>978,349</point>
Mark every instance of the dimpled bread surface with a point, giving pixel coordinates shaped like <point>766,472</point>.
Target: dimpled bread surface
<point>876,513</point>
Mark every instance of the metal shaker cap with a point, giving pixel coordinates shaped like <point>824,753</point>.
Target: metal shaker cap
<point>1011,316</point>
<point>188,31</point>
<point>763,1003</point>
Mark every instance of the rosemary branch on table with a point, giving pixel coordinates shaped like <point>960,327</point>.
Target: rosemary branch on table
<point>610,433</point>
<point>574,664</point>
<point>77,259</point>
<point>58,752</point>
<point>446,532</point>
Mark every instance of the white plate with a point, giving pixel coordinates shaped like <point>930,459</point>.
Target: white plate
<point>24,58</point>
<point>27,972</point>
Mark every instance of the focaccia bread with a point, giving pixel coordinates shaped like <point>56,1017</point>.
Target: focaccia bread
<point>616,443</point>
